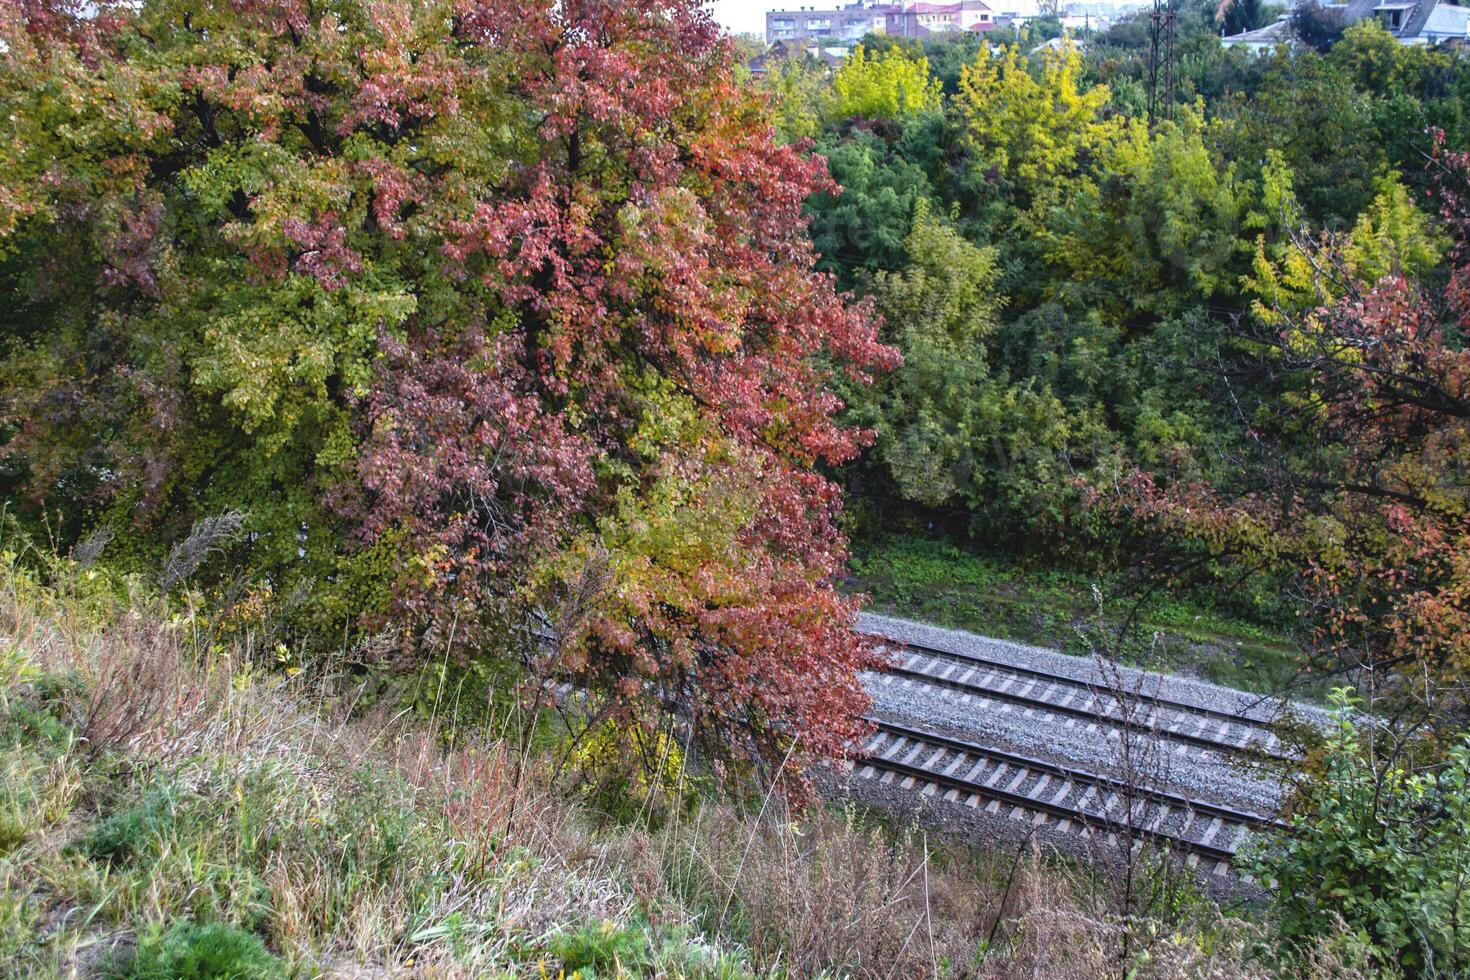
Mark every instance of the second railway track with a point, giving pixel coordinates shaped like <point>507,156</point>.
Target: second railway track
<point>1038,690</point>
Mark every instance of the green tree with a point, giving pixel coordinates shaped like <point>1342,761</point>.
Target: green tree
<point>800,89</point>
<point>949,53</point>
<point>1239,16</point>
<point>1160,227</point>
<point>865,225</point>
<point>952,430</point>
<point>1316,26</point>
<point>1413,89</point>
<point>941,310</point>
<point>1372,57</point>
<point>1309,111</point>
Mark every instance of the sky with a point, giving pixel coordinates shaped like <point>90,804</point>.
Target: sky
<point>746,16</point>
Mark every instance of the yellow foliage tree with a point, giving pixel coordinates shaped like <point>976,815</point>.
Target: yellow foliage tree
<point>883,85</point>
<point>1171,237</point>
<point>1037,128</point>
<point>1391,237</point>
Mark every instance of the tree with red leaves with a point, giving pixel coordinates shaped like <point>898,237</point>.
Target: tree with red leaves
<point>1355,486</point>
<point>499,319</point>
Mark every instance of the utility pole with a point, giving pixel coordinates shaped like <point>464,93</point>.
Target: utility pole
<point>1160,61</point>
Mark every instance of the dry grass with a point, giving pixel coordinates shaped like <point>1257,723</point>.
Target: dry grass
<point>142,784</point>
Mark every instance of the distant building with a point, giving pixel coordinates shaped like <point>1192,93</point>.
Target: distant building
<point>1410,21</point>
<point>1018,10</point>
<point>844,24</point>
<point>1060,44</point>
<point>1446,24</point>
<point>1262,39</point>
<point>1084,23</point>
<point>924,19</point>
<point>849,24</point>
<point>761,65</point>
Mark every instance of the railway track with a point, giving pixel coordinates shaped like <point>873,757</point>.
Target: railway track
<point>1042,691</point>
<point>1060,797</point>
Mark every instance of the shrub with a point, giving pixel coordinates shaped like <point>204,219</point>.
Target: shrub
<point>606,948</point>
<point>631,772</point>
<point>202,952</point>
<point>1384,849</point>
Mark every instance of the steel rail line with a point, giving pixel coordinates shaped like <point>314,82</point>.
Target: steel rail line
<point>995,774</point>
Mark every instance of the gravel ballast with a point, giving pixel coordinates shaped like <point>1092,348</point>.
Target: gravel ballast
<point>956,820</point>
<point>1094,747</point>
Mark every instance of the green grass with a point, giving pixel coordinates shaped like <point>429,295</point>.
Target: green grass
<point>193,952</point>
<point>1071,611</point>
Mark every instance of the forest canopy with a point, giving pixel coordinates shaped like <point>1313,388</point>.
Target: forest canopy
<point>1220,342</point>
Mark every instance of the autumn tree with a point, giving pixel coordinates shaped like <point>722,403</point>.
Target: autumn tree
<point>1159,228</point>
<point>1392,237</point>
<point>1039,131</point>
<point>884,85</point>
<point>498,319</point>
<point>1353,485</point>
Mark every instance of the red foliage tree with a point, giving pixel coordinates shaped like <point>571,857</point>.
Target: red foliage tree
<point>516,300</point>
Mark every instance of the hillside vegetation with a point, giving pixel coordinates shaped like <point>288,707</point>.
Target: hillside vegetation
<point>1080,613</point>
<point>432,431</point>
<point>172,809</point>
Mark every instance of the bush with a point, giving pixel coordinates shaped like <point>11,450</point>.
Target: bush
<point>603,949</point>
<point>202,952</point>
<point>631,773</point>
<point>1383,849</point>
<point>133,832</point>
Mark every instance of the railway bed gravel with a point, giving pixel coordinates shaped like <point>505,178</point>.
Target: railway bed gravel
<point>1095,747</point>
<point>1091,746</point>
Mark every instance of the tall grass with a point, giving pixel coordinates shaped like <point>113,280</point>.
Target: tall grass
<point>171,808</point>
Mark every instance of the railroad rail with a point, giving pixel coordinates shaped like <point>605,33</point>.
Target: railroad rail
<point>1069,799</point>
<point>1057,694</point>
